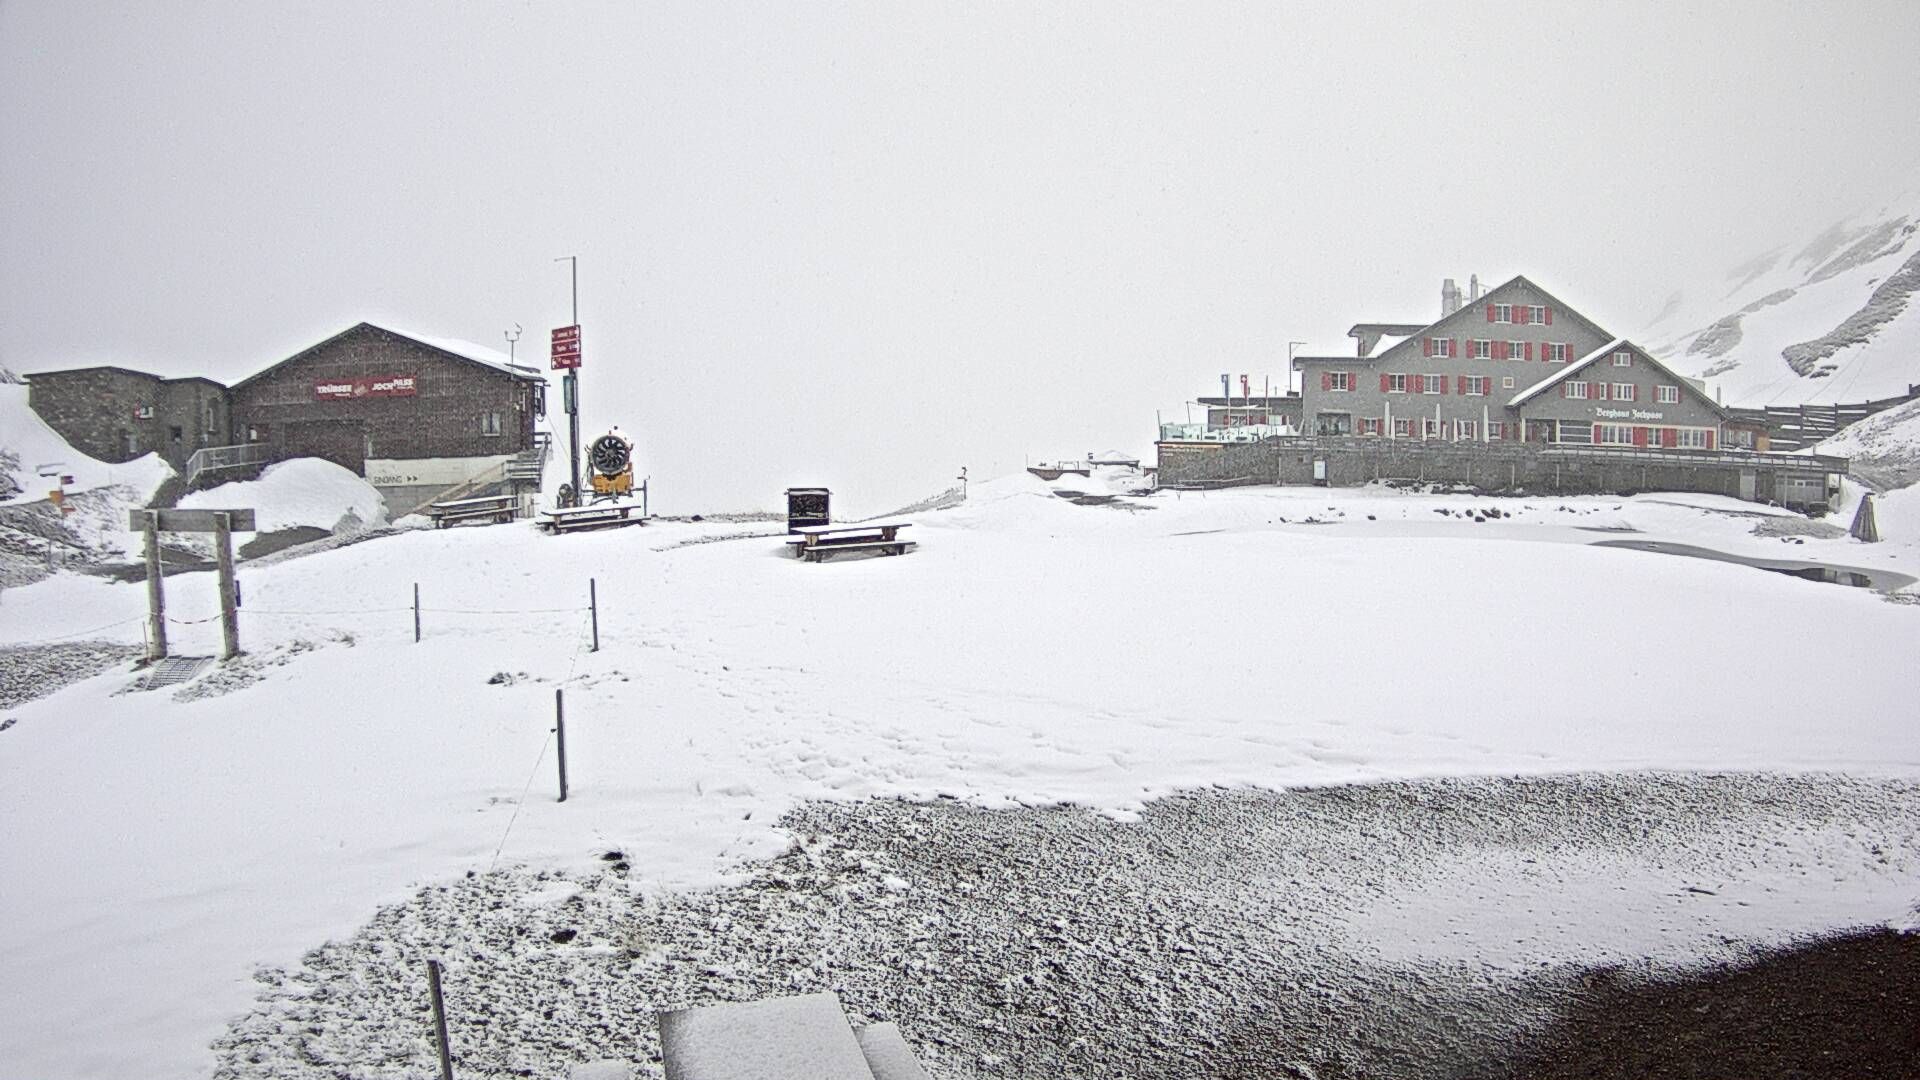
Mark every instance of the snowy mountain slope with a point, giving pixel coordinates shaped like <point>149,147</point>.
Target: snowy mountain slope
<point>1031,651</point>
<point>1828,320</point>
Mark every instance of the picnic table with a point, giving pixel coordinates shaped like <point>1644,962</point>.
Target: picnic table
<point>497,508</point>
<point>597,516</point>
<point>815,542</point>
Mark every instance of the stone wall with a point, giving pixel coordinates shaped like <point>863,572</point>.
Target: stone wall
<point>1511,468</point>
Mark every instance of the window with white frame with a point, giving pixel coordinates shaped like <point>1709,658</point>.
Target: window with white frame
<point>1370,425</point>
<point>1577,390</point>
<point>1615,434</point>
<point>1623,391</point>
<point>1433,384</point>
<point>1495,431</point>
<point>1506,382</point>
<point>1478,385</point>
<point>1691,439</point>
<point>1556,351</point>
<point>1503,313</point>
<point>1537,315</point>
<point>1516,350</point>
<point>1340,380</point>
<point>1440,346</point>
<point>1402,428</point>
<point>1623,358</point>
<point>1333,423</point>
<point>1480,349</point>
<point>1396,384</point>
<point>1429,428</point>
<point>490,423</point>
<point>1466,430</point>
<point>1666,395</point>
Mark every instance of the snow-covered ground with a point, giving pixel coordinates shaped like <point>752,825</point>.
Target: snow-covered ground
<point>162,845</point>
<point>306,492</point>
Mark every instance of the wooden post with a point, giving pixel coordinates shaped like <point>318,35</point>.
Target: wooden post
<point>593,603</point>
<point>439,1020</point>
<point>560,730</point>
<point>156,592</point>
<point>416,613</point>
<point>229,616</point>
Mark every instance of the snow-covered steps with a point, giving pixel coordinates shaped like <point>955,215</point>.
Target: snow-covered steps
<point>789,1038</point>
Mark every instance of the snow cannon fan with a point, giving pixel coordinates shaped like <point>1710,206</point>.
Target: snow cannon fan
<point>611,459</point>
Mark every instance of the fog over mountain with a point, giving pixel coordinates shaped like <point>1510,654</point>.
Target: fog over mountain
<point>1823,319</point>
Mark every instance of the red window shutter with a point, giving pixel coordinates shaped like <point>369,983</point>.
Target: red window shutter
<point>1453,347</point>
<point>1529,350</point>
<point>1709,438</point>
<point>1443,384</point>
<point>1639,436</point>
<point>1326,380</point>
<point>1460,385</point>
<point>1563,388</point>
<point>1549,316</point>
<point>1489,312</point>
<point>1669,437</point>
<point>1499,350</point>
<point>1596,434</point>
<point>1426,346</point>
<point>1383,382</point>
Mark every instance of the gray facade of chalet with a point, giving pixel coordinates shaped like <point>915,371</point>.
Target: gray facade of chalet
<point>115,415</point>
<point>373,393</point>
<point>1513,391</point>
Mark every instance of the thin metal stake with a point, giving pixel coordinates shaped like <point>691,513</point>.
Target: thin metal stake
<point>560,730</point>
<point>439,1020</point>
<point>593,602</point>
<point>416,613</point>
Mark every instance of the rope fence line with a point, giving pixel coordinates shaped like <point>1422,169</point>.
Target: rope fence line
<point>578,649</point>
<point>69,637</point>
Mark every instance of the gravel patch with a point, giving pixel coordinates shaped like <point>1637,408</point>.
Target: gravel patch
<point>1224,933</point>
<point>34,671</point>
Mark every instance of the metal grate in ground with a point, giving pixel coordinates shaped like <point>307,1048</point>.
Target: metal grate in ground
<point>171,671</point>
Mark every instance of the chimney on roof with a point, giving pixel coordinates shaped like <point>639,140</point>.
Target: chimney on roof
<point>1449,298</point>
<point>1473,289</point>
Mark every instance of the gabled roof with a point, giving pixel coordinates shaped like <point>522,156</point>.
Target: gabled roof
<point>1408,331</point>
<point>1595,357</point>
<point>1475,307</point>
<point>459,350</point>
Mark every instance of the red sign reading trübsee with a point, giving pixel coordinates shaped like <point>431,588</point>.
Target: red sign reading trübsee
<point>566,348</point>
<point>365,386</point>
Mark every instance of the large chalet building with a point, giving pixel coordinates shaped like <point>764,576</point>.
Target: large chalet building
<point>1509,390</point>
<point>1515,364</point>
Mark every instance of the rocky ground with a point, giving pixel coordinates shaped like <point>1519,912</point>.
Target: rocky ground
<point>1225,933</point>
<point>34,671</point>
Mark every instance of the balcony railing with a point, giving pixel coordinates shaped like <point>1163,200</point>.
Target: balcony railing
<point>211,458</point>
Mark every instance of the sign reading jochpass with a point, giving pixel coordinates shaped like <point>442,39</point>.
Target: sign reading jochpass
<point>566,347</point>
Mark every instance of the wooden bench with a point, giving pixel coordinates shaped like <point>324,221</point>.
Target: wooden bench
<point>496,508</point>
<point>815,542</point>
<point>601,516</point>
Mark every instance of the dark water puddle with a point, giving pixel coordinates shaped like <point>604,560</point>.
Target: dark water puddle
<point>1885,581</point>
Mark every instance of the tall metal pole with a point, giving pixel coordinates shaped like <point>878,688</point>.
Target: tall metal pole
<point>439,1020</point>
<point>571,387</point>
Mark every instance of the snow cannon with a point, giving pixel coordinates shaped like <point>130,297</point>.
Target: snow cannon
<point>611,459</point>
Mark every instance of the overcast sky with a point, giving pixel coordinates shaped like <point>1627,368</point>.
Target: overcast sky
<point>864,245</point>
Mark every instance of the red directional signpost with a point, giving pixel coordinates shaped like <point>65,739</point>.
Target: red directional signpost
<point>566,348</point>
